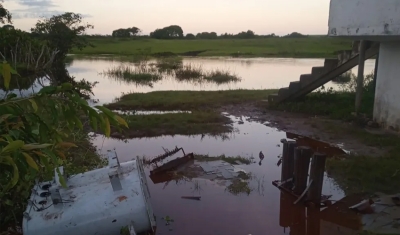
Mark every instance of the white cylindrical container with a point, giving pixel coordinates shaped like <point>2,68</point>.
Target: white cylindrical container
<point>102,201</point>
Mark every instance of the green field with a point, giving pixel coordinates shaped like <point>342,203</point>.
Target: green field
<point>308,47</point>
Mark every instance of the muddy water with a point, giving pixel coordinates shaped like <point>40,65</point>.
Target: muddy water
<point>218,211</point>
<point>256,73</point>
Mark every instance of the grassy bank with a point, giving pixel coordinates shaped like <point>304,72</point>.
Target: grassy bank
<point>310,47</point>
<point>194,123</point>
<point>187,100</point>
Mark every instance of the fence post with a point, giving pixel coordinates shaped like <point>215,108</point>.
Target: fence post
<point>317,176</point>
<point>360,76</point>
<point>302,157</point>
<point>287,160</point>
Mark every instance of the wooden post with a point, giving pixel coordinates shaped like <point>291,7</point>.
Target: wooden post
<point>285,210</point>
<point>287,160</point>
<point>313,221</point>
<point>360,76</point>
<point>317,176</point>
<point>302,157</point>
<point>299,220</point>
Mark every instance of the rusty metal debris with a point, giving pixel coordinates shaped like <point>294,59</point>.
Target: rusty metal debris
<point>167,154</point>
<point>173,164</point>
<point>191,197</point>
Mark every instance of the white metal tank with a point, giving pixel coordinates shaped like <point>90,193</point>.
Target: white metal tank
<point>102,201</point>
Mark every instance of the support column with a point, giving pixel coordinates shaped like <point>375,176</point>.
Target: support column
<point>376,71</point>
<point>287,160</point>
<point>360,76</point>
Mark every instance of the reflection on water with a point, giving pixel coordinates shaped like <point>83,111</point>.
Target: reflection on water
<point>255,73</point>
<point>220,210</point>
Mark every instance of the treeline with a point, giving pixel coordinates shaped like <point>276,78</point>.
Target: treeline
<point>176,32</point>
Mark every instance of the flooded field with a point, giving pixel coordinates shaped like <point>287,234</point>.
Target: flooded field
<point>255,73</point>
<point>256,210</point>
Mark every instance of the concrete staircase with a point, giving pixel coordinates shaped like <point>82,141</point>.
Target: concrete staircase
<point>320,75</point>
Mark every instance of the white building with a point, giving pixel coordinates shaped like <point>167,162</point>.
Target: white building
<point>379,21</point>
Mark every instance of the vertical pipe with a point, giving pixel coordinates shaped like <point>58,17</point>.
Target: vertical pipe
<point>287,160</point>
<point>302,162</point>
<point>317,176</point>
<point>360,76</point>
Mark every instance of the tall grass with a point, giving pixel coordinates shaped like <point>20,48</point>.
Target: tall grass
<point>141,75</point>
<point>189,72</point>
<point>221,77</point>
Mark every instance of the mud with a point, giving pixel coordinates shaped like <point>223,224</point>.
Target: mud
<point>310,126</point>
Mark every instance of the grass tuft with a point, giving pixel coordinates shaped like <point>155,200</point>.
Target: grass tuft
<point>221,77</point>
<point>141,75</point>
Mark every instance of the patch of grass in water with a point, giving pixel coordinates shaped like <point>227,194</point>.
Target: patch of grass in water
<point>187,100</point>
<point>231,160</point>
<point>189,72</point>
<point>168,63</point>
<point>141,75</point>
<point>221,77</point>
<point>238,186</point>
<point>195,123</point>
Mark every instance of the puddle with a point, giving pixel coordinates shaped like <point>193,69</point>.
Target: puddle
<point>223,211</point>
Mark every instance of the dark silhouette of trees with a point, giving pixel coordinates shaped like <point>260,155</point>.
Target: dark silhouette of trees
<point>207,35</point>
<point>62,33</point>
<point>126,33</point>
<point>190,36</point>
<point>170,32</point>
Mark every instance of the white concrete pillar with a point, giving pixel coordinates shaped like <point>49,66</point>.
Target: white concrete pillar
<point>387,93</point>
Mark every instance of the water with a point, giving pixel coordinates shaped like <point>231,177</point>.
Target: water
<point>256,73</point>
<point>218,211</point>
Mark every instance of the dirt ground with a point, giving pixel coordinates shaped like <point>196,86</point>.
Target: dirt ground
<point>320,128</point>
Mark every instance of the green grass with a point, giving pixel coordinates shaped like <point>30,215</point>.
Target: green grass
<point>221,77</point>
<point>189,72</point>
<point>210,123</point>
<point>310,47</point>
<point>141,75</point>
<point>187,100</point>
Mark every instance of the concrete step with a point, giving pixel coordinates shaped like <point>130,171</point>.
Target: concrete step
<point>284,92</point>
<point>294,86</point>
<point>331,63</point>
<point>305,79</point>
<point>318,71</point>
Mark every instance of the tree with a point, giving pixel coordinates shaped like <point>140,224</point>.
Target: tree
<point>207,35</point>
<point>190,36</point>
<point>170,32</point>
<point>129,32</point>
<point>8,27</point>
<point>5,15</point>
<point>63,33</point>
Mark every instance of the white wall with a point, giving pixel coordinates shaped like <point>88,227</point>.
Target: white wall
<point>387,95</point>
<point>364,18</point>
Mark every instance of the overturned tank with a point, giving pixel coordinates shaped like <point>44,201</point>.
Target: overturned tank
<point>103,201</point>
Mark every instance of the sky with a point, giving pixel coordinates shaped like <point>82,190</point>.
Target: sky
<point>232,16</point>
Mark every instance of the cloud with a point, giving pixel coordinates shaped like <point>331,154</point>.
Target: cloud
<point>36,12</point>
<point>37,3</point>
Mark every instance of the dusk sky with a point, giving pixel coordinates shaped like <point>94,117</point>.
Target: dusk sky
<point>231,16</point>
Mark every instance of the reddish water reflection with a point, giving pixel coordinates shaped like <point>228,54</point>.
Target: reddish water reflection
<point>218,211</point>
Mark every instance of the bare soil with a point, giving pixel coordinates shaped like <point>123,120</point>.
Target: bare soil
<point>320,128</point>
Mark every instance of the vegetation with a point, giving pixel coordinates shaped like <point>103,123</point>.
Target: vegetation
<point>187,100</point>
<point>139,76</point>
<point>312,47</point>
<point>220,77</point>
<point>368,174</point>
<point>193,123</point>
<point>126,33</point>
<point>170,32</point>
<point>189,72</point>
<point>238,186</point>
<point>45,130</point>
